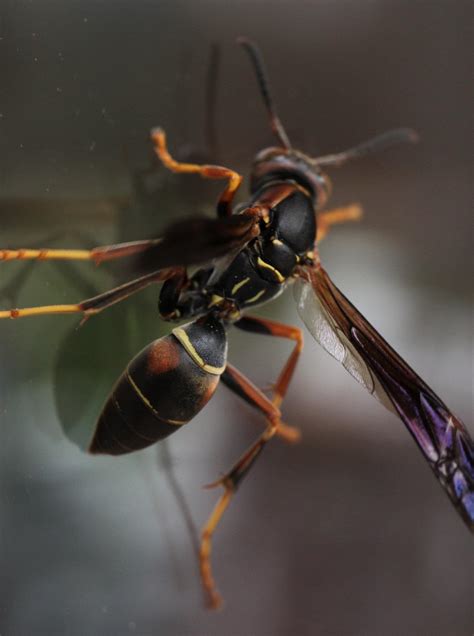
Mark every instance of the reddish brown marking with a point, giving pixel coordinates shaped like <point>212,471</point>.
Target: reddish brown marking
<point>164,355</point>
<point>209,390</point>
<point>14,313</point>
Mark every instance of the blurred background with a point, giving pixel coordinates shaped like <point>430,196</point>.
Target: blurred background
<point>347,532</point>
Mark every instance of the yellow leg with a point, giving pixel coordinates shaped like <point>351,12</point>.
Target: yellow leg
<point>338,215</point>
<point>224,206</point>
<point>97,254</point>
<point>94,305</point>
<point>38,311</point>
<point>46,254</point>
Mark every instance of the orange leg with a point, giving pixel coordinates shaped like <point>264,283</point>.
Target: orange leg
<point>98,303</point>
<point>245,389</point>
<point>338,215</point>
<point>232,479</point>
<point>224,205</point>
<point>272,328</point>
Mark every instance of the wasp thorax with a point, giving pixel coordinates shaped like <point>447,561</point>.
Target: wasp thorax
<point>206,342</point>
<point>294,222</point>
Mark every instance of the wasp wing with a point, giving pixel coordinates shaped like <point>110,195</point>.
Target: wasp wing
<point>344,333</point>
<point>195,240</point>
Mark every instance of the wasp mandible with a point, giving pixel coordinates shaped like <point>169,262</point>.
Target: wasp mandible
<point>252,253</point>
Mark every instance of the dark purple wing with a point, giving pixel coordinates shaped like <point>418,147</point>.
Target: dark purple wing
<point>346,335</point>
<point>191,241</point>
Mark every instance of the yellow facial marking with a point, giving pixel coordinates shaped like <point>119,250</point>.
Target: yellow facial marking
<point>261,263</point>
<point>238,285</point>
<point>183,337</point>
<point>277,242</point>
<point>146,401</point>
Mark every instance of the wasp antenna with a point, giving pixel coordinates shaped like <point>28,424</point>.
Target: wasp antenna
<point>262,78</point>
<point>380,142</point>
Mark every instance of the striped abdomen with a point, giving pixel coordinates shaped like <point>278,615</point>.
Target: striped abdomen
<point>163,387</point>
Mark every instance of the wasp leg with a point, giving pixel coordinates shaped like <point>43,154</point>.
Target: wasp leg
<point>338,215</point>
<point>245,389</point>
<point>224,205</point>
<point>97,254</point>
<point>45,254</point>
<point>170,293</point>
<point>279,330</point>
<point>11,290</point>
<point>231,480</point>
<point>96,304</point>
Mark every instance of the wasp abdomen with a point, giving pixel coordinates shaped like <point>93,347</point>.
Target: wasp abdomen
<point>163,387</point>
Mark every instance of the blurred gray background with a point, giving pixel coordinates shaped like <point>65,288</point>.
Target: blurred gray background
<point>347,533</point>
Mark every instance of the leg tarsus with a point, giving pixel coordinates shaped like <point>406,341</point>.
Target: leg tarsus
<point>212,597</point>
<point>230,481</point>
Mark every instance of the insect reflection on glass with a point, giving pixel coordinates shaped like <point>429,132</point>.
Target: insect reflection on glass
<point>252,255</point>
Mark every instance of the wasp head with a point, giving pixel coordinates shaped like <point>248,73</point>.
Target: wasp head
<point>288,164</point>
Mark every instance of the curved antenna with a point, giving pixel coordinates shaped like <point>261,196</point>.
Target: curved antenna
<point>380,142</point>
<point>262,78</point>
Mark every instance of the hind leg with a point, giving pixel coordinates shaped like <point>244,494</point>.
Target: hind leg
<point>232,479</point>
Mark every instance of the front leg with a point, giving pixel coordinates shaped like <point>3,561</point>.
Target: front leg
<point>224,205</point>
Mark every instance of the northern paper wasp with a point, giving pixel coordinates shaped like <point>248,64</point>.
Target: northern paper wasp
<point>250,255</point>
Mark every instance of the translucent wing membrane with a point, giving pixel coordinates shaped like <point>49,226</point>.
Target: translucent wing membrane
<point>344,333</point>
<point>325,329</point>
